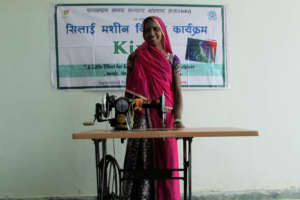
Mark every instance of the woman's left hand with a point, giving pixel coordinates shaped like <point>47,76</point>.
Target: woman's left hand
<point>178,125</point>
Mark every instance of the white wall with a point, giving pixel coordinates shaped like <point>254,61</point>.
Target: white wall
<point>39,158</point>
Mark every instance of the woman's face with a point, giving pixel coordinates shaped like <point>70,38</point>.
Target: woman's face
<point>153,33</point>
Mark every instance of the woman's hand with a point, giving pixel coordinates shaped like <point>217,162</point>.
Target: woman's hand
<point>178,124</point>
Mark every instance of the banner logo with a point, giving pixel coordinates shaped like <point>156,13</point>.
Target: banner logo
<point>212,15</point>
<point>66,12</point>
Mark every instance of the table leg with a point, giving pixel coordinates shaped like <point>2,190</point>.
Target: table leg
<point>187,164</point>
<point>100,173</point>
<point>103,175</point>
<point>96,142</point>
<point>184,170</point>
<point>190,168</point>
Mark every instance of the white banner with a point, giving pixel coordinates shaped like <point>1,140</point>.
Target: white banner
<point>93,41</point>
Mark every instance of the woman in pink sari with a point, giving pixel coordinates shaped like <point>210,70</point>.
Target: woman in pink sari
<point>153,69</point>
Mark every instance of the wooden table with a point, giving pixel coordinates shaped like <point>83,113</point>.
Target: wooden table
<point>186,134</point>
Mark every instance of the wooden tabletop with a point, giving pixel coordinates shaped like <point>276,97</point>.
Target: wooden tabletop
<point>165,133</point>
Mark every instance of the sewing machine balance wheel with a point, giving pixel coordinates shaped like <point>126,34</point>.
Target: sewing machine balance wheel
<point>105,104</point>
<point>110,176</point>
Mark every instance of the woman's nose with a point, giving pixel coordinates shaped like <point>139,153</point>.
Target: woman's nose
<point>151,32</point>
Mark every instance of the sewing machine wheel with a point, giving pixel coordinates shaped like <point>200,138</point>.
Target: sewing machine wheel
<point>122,105</point>
<point>105,105</point>
<point>111,176</point>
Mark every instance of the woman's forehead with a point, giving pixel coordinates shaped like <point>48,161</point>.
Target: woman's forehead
<point>151,24</point>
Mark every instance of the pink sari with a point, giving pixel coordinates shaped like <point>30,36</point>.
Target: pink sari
<point>149,78</point>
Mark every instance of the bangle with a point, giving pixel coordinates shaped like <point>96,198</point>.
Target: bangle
<point>177,121</point>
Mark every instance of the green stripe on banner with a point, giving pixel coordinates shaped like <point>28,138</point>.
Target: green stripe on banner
<point>102,70</point>
<point>89,70</point>
<point>202,69</point>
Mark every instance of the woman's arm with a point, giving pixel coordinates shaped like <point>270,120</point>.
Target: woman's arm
<point>130,61</point>
<point>178,102</point>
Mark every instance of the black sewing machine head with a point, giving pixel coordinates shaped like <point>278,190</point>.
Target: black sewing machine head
<point>124,110</point>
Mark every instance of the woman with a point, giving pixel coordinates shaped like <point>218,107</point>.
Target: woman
<point>152,70</point>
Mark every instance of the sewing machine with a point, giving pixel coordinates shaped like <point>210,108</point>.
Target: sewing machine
<point>124,109</point>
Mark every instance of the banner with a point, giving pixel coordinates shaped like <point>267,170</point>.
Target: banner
<point>93,42</point>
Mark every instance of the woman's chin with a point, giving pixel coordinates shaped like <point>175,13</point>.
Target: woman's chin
<point>153,43</point>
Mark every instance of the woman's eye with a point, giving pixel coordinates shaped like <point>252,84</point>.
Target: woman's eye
<point>155,29</point>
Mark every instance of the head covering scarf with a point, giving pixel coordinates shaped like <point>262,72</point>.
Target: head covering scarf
<point>150,77</point>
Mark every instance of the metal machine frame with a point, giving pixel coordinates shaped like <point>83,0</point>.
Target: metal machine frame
<point>146,174</point>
